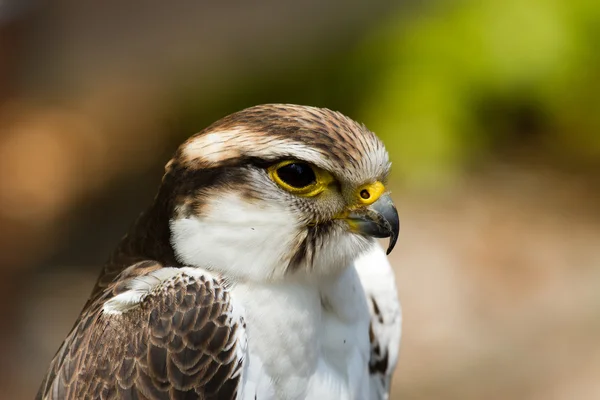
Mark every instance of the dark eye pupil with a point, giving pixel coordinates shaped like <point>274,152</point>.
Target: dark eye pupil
<point>298,175</point>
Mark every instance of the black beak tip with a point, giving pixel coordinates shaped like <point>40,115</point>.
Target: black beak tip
<point>393,224</point>
<point>392,244</point>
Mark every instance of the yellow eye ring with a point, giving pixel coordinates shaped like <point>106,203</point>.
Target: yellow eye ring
<point>300,178</point>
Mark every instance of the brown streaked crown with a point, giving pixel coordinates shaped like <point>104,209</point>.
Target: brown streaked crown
<point>273,131</point>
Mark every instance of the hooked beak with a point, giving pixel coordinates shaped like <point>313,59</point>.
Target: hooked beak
<point>379,220</point>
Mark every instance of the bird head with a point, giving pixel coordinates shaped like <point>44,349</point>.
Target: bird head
<point>278,191</point>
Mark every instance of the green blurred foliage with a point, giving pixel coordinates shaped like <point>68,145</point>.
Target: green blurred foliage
<point>457,80</point>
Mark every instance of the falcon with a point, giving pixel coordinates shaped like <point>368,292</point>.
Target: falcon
<point>255,273</point>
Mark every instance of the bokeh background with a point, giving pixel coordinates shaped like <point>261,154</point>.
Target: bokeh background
<point>490,110</point>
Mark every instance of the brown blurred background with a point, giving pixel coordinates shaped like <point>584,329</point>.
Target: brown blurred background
<point>490,111</point>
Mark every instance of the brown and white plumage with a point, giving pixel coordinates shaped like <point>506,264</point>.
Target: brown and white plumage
<point>254,274</point>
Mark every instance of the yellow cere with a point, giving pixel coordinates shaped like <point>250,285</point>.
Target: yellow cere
<point>370,193</point>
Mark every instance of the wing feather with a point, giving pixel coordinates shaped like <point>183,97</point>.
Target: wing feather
<point>184,340</point>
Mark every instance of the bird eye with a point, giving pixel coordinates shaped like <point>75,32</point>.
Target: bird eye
<point>300,178</point>
<point>297,175</point>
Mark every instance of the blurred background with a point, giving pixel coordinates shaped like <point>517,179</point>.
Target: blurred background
<point>490,111</point>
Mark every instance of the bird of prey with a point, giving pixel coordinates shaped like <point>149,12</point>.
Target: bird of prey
<point>255,273</point>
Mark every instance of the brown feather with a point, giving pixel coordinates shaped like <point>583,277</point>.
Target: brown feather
<point>139,354</point>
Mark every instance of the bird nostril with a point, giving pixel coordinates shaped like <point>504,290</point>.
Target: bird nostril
<point>369,193</point>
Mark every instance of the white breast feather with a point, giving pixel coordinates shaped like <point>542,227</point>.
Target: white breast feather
<point>289,359</point>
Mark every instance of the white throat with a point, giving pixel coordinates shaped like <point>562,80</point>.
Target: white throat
<point>241,239</point>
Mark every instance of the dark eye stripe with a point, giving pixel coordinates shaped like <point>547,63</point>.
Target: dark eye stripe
<point>297,175</point>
